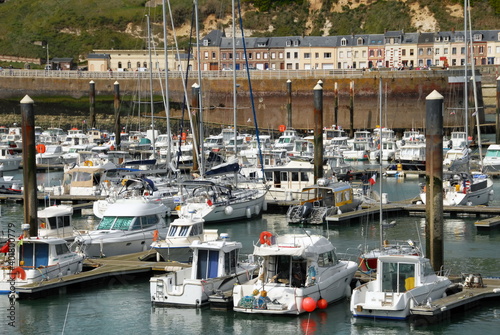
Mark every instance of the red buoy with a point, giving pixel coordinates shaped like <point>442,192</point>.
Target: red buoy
<point>309,304</point>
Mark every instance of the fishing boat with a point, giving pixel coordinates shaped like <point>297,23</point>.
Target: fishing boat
<point>30,260</point>
<point>402,281</point>
<point>182,232</point>
<point>368,260</point>
<point>128,226</point>
<point>294,269</point>
<point>50,154</point>
<point>215,267</point>
<point>326,198</point>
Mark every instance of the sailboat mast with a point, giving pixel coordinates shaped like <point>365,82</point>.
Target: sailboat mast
<point>380,165</point>
<point>466,81</point>
<point>234,87</point>
<point>151,88</point>
<point>167,102</point>
<point>200,101</point>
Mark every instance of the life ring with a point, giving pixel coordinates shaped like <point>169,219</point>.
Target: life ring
<point>43,225</point>
<point>88,163</point>
<point>40,148</point>
<point>155,235</point>
<point>265,238</point>
<point>18,273</point>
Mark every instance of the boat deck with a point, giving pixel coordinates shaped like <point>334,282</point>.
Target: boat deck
<point>102,268</point>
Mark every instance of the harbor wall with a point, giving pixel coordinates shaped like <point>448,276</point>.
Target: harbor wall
<point>403,98</point>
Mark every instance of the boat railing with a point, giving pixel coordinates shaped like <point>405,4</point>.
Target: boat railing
<point>351,254</point>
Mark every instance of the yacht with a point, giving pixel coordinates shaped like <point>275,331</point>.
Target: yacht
<point>294,268</point>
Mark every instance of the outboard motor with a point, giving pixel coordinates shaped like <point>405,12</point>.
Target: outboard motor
<point>306,210</point>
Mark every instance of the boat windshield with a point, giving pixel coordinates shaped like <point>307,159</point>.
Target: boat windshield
<point>397,277</point>
<point>117,223</point>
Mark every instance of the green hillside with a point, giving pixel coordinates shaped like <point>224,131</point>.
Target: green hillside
<point>74,28</point>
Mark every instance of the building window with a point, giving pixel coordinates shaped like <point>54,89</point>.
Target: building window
<point>266,55</point>
<point>420,51</point>
<point>429,51</point>
<point>363,54</point>
<point>205,54</point>
<point>343,42</point>
<point>445,51</point>
<point>327,55</point>
<point>230,55</point>
<point>372,53</point>
<point>129,64</point>
<point>412,52</point>
<point>213,55</point>
<point>360,41</point>
<point>280,55</point>
<point>316,55</point>
<point>307,55</point>
<point>453,51</point>
<point>341,54</point>
<point>403,52</point>
<point>459,39</point>
<point>288,55</point>
<point>436,51</point>
<point>481,50</point>
<point>257,54</point>
<point>237,55</point>
<point>119,65</point>
<point>356,54</point>
<point>296,55</point>
<point>477,37</point>
<point>462,50</point>
<point>138,64</point>
<point>145,64</point>
<point>224,56</point>
<point>379,53</point>
<point>249,55</point>
<point>349,54</point>
<point>273,55</point>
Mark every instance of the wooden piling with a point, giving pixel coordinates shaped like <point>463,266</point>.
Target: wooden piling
<point>351,109</point>
<point>336,104</point>
<point>195,111</point>
<point>29,165</point>
<point>318,132</point>
<point>289,103</point>
<point>92,104</point>
<point>116,105</point>
<point>434,179</point>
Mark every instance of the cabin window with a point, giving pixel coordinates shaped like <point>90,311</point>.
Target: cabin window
<point>398,277</point>
<point>172,231</point>
<point>295,176</point>
<point>427,268</point>
<point>208,261</point>
<point>35,255</point>
<point>196,230</point>
<point>304,176</point>
<point>230,260</point>
<point>338,197</point>
<point>149,220</point>
<point>184,231</point>
<point>106,223</point>
<point>327,259</point>
<point>62,249</point>
<point>284,176</point>
<point>347,195</point>
<point>280,271</point>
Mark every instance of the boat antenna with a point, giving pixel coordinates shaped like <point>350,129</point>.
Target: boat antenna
<point>65,319</point>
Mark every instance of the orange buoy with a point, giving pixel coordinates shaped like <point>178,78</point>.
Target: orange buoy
<point>40,148</point>
<point>155,235</point>
<point>282,128</point>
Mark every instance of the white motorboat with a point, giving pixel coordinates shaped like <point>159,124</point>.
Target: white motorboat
<point>294,269</point>
<point>368,260</point>
<point>182,232</point>
<point>33,259</point>
<point>491,160</point>
<point>216,202</point>
<point>9,159</point>
<point>128,226</point>
<point>215,268</point>
<point>50,154</point>
<point>401,283</point>
<point>286,140</point>
<point>55,221</point>
<point>464,189</point>
<point>323,199</point>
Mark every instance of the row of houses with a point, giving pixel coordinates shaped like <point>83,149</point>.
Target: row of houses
<point>393,49</point>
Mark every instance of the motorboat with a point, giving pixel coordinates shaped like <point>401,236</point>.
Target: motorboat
<point>217,202</point>
<point>55,221</point>
<point>50,154</point>
<point>9,159</point>
<point>215,268</point>
<point>9,185</point>
<point>491,160</point>
<point>402,281</point>
<point>182,232</point>
<point>30,260</point>
<point>294,269</point>
<point>464,189</point>
<point>128,226</point>
<point>412,155</point>
<point>326,198</point>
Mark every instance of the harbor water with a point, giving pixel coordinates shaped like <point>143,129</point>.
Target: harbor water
<point>122,304</point>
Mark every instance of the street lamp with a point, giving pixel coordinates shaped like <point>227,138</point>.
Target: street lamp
<point>47,62</point>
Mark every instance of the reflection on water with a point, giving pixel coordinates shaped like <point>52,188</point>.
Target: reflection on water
<point>122,305</point>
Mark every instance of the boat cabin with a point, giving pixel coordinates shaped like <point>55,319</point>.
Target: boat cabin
<point>55,221</point>
<point>214,259</point>
<point>403,273</point>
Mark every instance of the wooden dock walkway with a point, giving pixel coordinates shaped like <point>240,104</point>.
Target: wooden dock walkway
<point>469,297</point>
<point>101,268</point>
<point>488,223</point>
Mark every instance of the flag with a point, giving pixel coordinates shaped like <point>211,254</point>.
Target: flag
<point>373,179</point>
<point>5,248</point>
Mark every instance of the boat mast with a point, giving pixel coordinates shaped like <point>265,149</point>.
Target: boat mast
<point>380,165</point>
<point>151,88</point>
<point>166,99</point>
<point>200,104</point>
<point>234,89</point>
<point>474,87</point>
<point>466,83</point>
